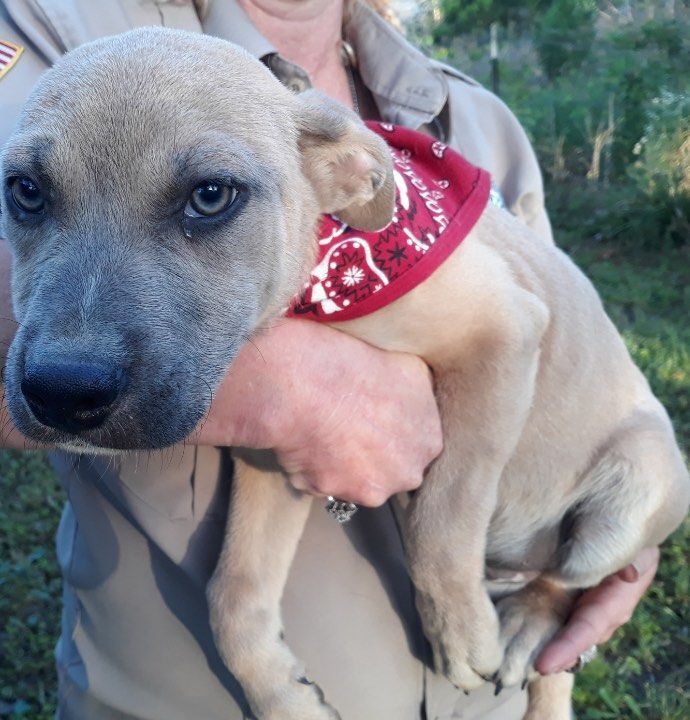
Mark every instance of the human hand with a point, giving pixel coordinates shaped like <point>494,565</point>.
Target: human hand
<point>599,612</point>
<point>344,418</point>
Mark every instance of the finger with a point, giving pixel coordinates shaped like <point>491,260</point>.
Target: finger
<point>406,481</point>
<point>596,616</point>
<point>629,573</point>
<point>303,483</point>
<point>587,627</point>
<point>645,563</point>
<point>599,613</point>
<point>361,491</point>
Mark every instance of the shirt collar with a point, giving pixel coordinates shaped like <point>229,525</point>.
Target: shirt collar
<point>405,81</point>
<point>408,88</point>
<point>227,20</point>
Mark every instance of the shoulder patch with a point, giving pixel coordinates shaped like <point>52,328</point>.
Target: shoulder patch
<point>9,54</point>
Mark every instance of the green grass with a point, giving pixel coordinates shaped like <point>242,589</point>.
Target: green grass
<point>644,672</point>
<point>29,585</point>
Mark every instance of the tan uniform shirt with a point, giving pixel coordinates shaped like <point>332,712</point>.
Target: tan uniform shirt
<point>138,540</point>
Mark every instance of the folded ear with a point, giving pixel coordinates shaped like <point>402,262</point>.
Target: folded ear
<point>349,166</point>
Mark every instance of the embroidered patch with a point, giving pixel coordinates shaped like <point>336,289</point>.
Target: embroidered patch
<point>9,54</point>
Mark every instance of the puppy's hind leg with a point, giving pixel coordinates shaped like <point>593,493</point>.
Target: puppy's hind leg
<point>635,495</point>
<point>265,522</point>
<point>529,620</point>
<point>549,698</point>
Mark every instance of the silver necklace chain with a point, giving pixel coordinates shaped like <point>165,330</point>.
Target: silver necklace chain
<point>350,63</point>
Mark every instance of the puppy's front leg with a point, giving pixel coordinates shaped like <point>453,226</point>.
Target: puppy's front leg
<point>265,522</point>
<point>484,397</point>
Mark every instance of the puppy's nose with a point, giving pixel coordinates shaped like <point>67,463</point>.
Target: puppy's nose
<point>71,396</point>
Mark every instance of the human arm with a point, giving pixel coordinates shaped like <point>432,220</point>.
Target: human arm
<point>329,405</point>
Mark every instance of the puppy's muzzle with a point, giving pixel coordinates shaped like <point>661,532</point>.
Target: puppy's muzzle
<point>71,396</point>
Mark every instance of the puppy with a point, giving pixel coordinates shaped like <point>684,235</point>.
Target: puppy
<point>162,194</point>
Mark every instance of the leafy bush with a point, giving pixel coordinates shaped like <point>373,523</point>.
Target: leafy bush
<point>664,148</point>
<point>623,213</point>
<point>463,16</point>
<point>564,34</point>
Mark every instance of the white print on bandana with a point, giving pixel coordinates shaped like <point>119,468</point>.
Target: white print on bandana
<point>353,275</point>
<point>430,197</point>
<point>416,242</point>
<point>403,192</point>
<point>320,288</point>
<point>438,148</point>
<point>337,232</point>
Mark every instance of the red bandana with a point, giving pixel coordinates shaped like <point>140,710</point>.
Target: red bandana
<point>439,198</point>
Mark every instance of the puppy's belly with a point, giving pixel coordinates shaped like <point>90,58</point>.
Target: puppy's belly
<point>517,550</point>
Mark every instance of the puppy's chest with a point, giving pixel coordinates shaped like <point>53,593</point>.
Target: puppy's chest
<point>439,198</point>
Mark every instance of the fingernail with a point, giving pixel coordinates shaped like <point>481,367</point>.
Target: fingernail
<point>645,560</point>
<point>633,571</point>
<point>640,567</point>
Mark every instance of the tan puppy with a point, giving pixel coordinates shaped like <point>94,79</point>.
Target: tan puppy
<point>161,196</point>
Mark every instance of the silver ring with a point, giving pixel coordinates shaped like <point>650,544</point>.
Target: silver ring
<point>587,656</point>
<point>342,511</point>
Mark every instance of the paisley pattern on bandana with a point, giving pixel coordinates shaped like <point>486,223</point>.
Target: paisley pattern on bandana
<point>439,198</point>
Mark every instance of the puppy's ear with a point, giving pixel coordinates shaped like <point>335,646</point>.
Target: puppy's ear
<point>349,166</point>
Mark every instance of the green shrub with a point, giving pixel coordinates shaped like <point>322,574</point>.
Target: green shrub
<point>564,34</point>
<point>622,213</point>
<point>664,148</point>
<point>463,16</point>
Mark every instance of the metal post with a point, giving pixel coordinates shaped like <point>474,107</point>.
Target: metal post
<point>494,58</point>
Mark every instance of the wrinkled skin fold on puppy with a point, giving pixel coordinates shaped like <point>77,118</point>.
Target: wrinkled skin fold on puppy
<point>557,457</point>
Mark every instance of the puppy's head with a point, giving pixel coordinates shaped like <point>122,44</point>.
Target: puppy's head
<point>160,195</point>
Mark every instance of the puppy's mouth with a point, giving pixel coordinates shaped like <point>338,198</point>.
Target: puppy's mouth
<point>120,434</point>
<point>84,447</point>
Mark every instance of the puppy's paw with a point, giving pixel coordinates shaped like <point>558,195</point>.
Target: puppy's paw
<point>280,690</point>
<point>526,628</point>
<point>300,700</point>
<point>463,632</point>
<point>248,636</point>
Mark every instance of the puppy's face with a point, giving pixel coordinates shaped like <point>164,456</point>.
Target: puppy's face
<point>160,196</point>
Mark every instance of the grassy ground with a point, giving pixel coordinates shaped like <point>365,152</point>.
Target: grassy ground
<point>29,585</point>
<point>645,669</point>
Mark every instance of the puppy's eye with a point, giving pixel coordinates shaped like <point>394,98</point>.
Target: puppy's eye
<point>210,198</point>
<point>26,194</point>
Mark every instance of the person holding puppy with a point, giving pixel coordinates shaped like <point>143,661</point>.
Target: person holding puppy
<point>138,539</point>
